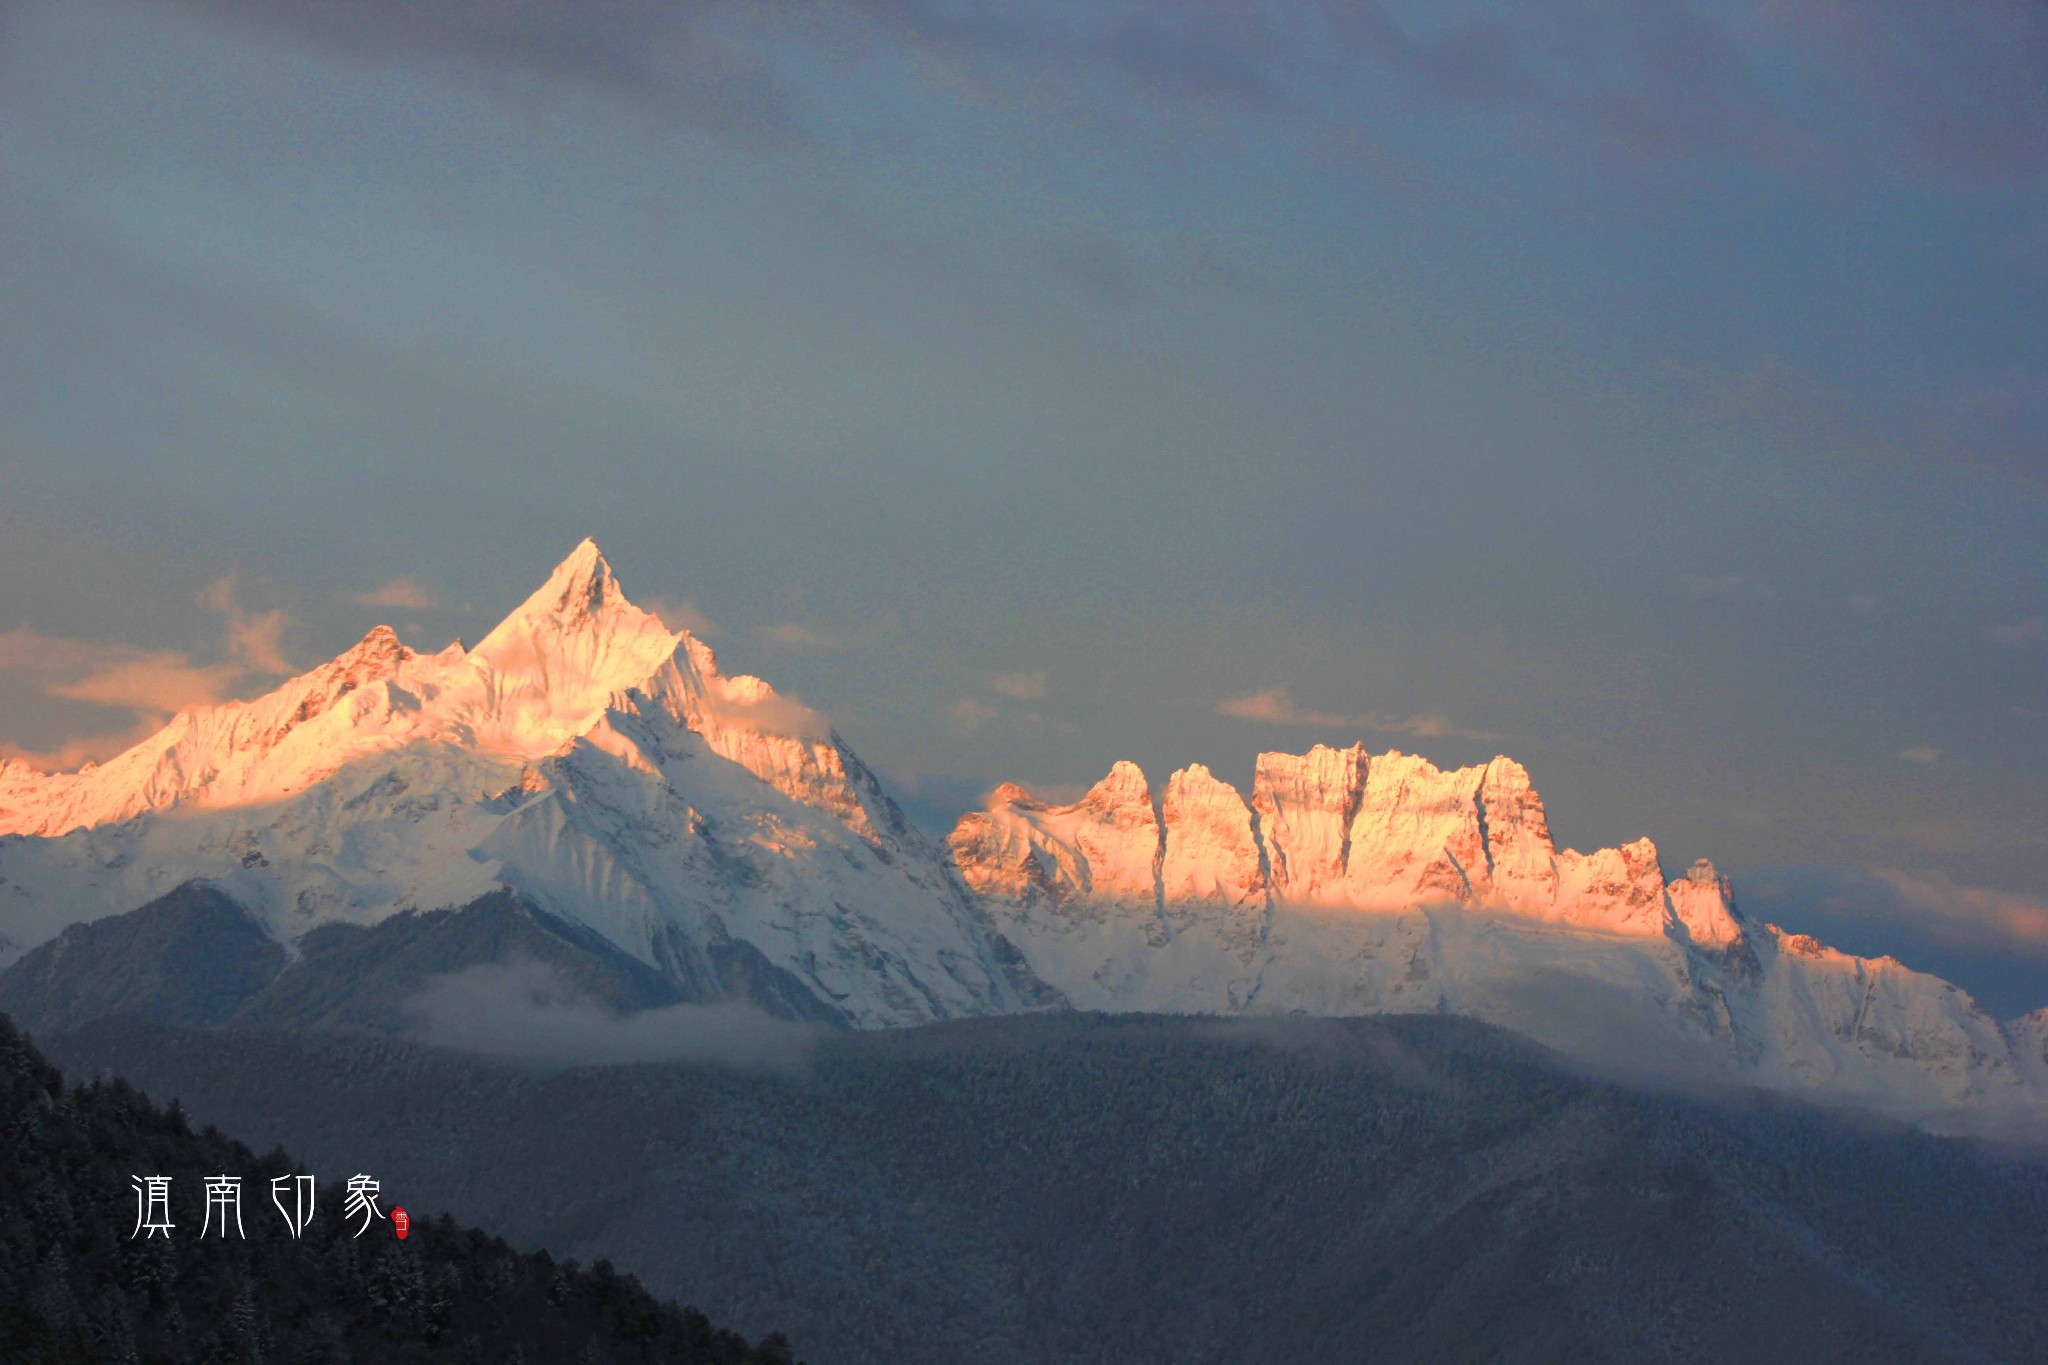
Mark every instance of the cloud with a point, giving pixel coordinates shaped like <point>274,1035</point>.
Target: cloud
<point>1275,706</point>
<point>1991,942</point>
<point>252,636</point>
<point>1976,915</point>
<point>1891,911</point>
<point>1995,422</point>
<point>2019,632</point>
<point>1614,1032</point>
<point>401,592</point>
<point>969,716</point>
<point>682,615</point>
<point>525,1011</point>
<point>112,674</point>
<point>1926,755</point>
<point>149,684</point>
<point>972,715</point>
<point>1019,686</point>
<point>72,754</point>
<point>672,55</point>
<point>1953,88</point>
<point>746,702</point>
<point>1787,84</point>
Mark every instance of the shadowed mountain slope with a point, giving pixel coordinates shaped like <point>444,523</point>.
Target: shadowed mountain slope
<point>192,956</point>
<point>195,957</point>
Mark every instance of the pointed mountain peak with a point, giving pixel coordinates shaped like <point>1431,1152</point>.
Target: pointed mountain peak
<point>1124,785</point>
<point>563,651</point>
<point>1506,774</point>
<point>381,642</point>
<point>1704,902</point>
<point>582,595</point>
<point>1196,777</point>
<point>582,584</point>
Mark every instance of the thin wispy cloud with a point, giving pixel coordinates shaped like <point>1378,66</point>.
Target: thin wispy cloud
<point>1017,690</point>
<point>1925,755</point>
<point>150,685</point>
<point>403,593</point>
<point>969,716</point>
<point>524,1011</point>
<point>683,615</point>
<point>1275,705</point>
<point>252,636</point>
<point>1020,685</point>
<point>1979,915</point>
<point>670,55</point>
<point>1934,905</point>
<point>1992,941</point>
<point>109,673</point>
<point>1953,88</point>
<point>72,754</point>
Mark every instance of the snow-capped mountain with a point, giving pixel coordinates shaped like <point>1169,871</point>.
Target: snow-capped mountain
<point>582,754</point>
<point>600,766</point>
<point>1356,883</point>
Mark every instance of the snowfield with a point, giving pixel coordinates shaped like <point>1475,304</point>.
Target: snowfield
<point>601,766</point>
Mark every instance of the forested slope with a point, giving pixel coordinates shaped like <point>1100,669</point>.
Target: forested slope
<point>76,1285</point>
<point>1129,1189</point>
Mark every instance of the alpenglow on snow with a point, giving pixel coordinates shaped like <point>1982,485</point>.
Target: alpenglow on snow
<point>601,767</point>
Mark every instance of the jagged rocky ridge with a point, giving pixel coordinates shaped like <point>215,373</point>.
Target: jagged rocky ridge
<point>601,767</point>
<point>1356,883</point>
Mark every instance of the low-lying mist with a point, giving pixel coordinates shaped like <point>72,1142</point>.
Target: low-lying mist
<point>525,1011</point>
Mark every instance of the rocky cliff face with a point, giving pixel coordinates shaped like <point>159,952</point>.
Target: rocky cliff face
<point>1332,828</point>
<point>1355,883</point>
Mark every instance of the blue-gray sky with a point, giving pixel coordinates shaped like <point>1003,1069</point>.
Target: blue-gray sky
<point>1655,391</point>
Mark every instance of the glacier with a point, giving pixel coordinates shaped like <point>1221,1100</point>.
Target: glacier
<point>603,768</point>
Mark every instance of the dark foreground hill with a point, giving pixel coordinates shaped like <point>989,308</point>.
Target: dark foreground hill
<point>1078,1189</point>
<point>77,1286</point>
